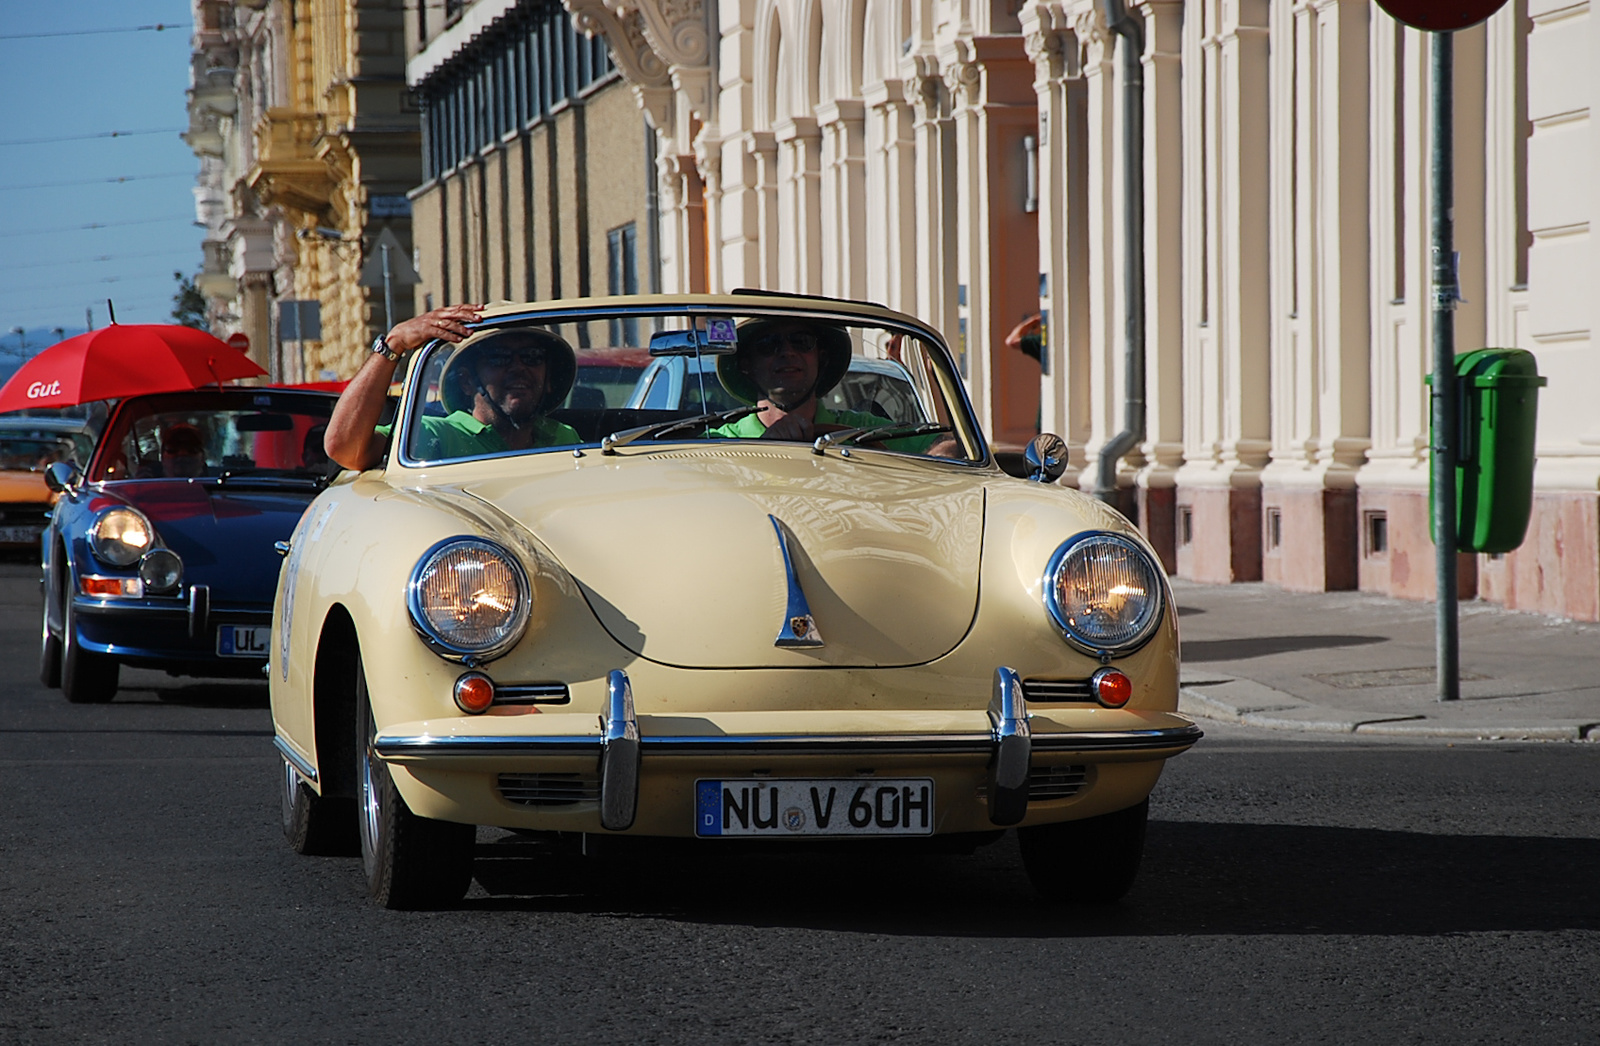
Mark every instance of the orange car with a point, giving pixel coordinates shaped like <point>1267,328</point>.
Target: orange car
<point>27,447</point>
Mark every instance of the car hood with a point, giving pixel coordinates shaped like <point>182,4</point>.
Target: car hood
<point>224,536</point>
<point>677,553</point>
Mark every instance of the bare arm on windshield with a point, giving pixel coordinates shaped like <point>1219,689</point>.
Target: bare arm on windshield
<point>351,439</point>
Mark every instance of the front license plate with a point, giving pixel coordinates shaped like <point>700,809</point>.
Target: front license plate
<point>243,640</point>
<point>15,535</point>
<point>766,806</point>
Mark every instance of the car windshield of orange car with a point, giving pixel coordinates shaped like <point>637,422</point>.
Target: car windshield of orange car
<point>546,382</point>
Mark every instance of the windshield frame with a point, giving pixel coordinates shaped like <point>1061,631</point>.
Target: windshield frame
<point>951,387</point>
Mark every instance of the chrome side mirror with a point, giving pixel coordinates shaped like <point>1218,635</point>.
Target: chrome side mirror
<point>62,476</point>
<point>1047,457</point>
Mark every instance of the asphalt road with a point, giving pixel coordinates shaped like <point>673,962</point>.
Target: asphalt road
<point>1294,890</point>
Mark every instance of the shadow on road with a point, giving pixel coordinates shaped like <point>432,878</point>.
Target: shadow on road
<point>1198,878</point>
<point>198,695</point>
<point>1264,646</point>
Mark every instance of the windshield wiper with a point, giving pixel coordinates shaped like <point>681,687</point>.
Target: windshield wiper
<point>610,444</point>
<point>248,481</point>
<point>874,433</point>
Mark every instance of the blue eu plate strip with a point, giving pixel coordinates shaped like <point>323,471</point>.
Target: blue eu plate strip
<point>708,807</point>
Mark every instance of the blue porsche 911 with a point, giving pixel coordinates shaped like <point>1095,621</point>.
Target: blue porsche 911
<point>161,553</point>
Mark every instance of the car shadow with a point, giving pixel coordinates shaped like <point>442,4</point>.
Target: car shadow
<point>1199,650</point>
<point>1197,878</point>
<point>207,694</point>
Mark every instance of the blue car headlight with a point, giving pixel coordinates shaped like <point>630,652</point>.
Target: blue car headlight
<point>119,537</point>
<point>469,599</point>
<point>1105,593</point>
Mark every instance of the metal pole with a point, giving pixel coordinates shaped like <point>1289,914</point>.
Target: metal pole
<point>1446,420</point>
<point>388,294</point>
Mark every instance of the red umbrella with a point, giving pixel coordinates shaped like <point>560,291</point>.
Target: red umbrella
<point>124,359</point>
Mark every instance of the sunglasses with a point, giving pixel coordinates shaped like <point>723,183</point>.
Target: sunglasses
<point>770,345</point>
<point>502,358</point>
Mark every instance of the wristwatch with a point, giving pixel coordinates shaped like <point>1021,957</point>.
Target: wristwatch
<point>380,347</point>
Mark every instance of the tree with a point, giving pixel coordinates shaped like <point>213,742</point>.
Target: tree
<point>189,305</point>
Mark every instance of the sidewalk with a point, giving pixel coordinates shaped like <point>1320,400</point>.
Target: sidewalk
<point>1348,662</point>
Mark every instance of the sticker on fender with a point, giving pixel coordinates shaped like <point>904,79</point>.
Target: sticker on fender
<point>766,806</point>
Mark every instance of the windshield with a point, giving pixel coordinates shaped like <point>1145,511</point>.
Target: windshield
<point>776,377</point>
<point>36,451</point>
<point>231,435</point>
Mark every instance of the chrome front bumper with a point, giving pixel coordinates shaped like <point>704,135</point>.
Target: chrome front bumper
<point>1009,747</point>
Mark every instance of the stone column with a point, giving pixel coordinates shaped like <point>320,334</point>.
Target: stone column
<point>1320,280</point>
<point>991,84</point>
<point>841,125</point>
<point>762,146</point>
<point>1227,351</point>
<point>933,152</point>
<point>890,221</point>
<point>799,205</point>
<point>1063,226</point>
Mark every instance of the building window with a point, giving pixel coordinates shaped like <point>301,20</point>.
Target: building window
<point>622,277</point>
<point>1377,534</point>
<point>1274,528</point>
<point>1185,526</point>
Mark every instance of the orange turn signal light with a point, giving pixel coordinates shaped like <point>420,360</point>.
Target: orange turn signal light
<point>1112,687</point>
<point>474,693</point>
<point>111,587</point>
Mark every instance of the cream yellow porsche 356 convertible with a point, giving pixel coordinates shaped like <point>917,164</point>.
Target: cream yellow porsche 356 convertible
<point>792,620</point>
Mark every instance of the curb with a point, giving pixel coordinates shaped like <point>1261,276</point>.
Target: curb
<point>1249,703</point>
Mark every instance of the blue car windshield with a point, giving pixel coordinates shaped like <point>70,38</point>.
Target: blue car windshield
<point>204,435</point>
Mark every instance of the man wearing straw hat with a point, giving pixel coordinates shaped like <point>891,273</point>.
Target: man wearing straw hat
<point>496,389</point>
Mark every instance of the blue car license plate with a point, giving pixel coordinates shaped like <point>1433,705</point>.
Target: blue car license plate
<point>765,806</point>
<point>243,640</point>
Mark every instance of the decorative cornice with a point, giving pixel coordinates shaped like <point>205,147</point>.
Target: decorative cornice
<point>1093,35</point>
<point>677,29</point>
<point>625,36</point>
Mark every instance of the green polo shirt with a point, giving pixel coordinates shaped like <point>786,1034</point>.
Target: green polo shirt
<point>460,435</point>
<point>751,427</point>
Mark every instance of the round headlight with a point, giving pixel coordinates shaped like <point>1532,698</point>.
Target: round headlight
<point>161,571</point>
<point>120,536</point>
<point>469,598</point>
<point>1104,592</point>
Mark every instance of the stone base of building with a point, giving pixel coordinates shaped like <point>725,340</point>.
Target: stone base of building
<point>1218,533</point>
<point>1396,547</point>
<point>1556,570</point>
<point>1308,539</point>
<point>1158,519</point>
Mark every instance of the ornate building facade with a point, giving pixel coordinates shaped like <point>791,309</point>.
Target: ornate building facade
<point>964,160</point>
<point>309,142</point>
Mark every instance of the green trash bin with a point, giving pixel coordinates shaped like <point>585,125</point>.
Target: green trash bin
<point>1498,392</point>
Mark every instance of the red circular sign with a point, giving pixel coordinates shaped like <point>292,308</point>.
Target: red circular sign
<point>240,341</point>
<point>1441,16</point>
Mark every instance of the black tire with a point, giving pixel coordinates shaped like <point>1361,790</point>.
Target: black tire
<point>49,654</point>
<point>1093,861</point>
<point>411,862</point>
<point>86,678</point>
<point>317,826</point>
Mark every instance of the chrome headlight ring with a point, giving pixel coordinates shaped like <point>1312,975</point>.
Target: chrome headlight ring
<point>120,536</point>
<point>1105,594</point>
<point>469,599</point>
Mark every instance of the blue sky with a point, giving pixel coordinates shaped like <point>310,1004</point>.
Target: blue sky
<point>52,268</point>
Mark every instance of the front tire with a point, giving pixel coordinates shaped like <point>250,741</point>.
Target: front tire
<point>315,825</point>
<point>1093,861</point>
<point>411,862</point>
<point>86,678</point>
